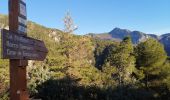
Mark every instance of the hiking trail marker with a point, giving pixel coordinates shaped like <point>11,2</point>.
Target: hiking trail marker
<point>19,48</point>
<point>15,46</point>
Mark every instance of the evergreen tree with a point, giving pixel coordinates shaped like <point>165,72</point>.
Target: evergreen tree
<point>123,59</point>
<point>150,59</point>
<point>37,74</point>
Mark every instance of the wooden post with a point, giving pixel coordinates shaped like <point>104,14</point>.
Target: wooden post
<point>18,82</point>
<point>13,42</point>
<point>18,85</point>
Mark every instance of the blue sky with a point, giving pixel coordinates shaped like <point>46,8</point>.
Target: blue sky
<point>98,16</point>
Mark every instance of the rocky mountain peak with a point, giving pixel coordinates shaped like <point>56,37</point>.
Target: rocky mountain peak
<point>119,34</point>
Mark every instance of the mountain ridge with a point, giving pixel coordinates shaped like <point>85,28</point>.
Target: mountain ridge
<point>117,34</point>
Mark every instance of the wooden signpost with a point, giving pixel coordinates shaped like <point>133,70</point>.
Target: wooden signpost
<point>19,48</point>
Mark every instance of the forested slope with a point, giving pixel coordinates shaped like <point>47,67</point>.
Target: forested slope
<point>82,68</point>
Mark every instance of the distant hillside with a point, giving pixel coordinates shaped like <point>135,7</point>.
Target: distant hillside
<point>118,34</point>
<point>69,55</point>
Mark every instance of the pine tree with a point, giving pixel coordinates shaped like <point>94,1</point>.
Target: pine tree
<point>150,58</point>
<point>123,59</point>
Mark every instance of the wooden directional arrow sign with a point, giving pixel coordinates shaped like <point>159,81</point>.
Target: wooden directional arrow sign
<point>19,48</point>
<point>15,46</point>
